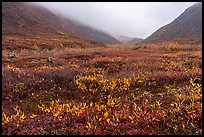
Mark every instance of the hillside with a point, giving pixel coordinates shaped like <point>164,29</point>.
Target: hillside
<point>31,19</point>
<point>134,41</point>
<point>186,28</point>
<point>86,31</point>
<point>124,39</point>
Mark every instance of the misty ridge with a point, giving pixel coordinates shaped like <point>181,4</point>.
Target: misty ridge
<point>122,19</point>
<point>102,68</point>
<point>82,20</point>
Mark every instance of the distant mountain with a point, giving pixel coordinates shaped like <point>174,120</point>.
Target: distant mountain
<point>124,39</point>
<point>135,41</point>
<point>128,40</point>
<point>187,27</point>
<point>86,31</point>
<point>20,18</point>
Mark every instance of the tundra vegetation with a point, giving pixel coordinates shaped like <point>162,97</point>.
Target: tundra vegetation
<point>116,90</point>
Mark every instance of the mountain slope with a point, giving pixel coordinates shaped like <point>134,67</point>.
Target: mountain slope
<point>187,27</point>
<point>20,18</point>
<point>134,41</point>
<point>86,31</point>
<point>128,40</point>
<point>124,39</point>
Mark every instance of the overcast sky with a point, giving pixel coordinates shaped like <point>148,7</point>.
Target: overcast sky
<point>134,19</point>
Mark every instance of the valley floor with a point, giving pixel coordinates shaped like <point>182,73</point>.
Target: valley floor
<point>103,90</point>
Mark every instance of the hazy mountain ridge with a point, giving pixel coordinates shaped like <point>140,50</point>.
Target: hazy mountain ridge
<point>31,19</point>
<point>20,18</point>
<point>187,27</point>
<point>124,39</point>
<point>135,41</point>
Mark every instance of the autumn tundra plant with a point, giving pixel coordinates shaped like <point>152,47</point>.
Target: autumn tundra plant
<point>113,117</point>
<point>118,92</point>
<point>174,47</point>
